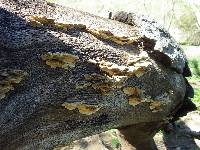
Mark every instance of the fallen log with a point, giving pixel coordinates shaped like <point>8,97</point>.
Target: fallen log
<point>66,74</point>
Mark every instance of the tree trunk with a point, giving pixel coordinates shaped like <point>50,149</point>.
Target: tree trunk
<point>66,74</point>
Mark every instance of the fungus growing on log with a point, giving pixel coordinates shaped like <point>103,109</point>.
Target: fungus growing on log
<point>9,78</point>
<point>82,108</point>
<point>134,95</point>
<point>42,21</point>
<point>60,60</point>
<point>85,74</point>
<point>155,106</point>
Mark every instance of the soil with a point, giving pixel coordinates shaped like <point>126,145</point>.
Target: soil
<point>179,140</point>
<point>175,140</point>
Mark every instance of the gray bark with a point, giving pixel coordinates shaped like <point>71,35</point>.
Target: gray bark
<point>64,81</point>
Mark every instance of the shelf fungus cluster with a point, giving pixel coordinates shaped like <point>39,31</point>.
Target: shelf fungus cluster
<point>155,106</point>
<point>43,21</point>
<point>81,107</point>
<point>133,68</point>
<point>60,60</point>
<point>134,95</point>
<point>107,35</point>
<point>8,79</point>
<point>135,65</point>
<point>97,82</point>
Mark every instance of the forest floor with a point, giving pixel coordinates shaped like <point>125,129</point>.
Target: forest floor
<point>178,140</point>
<point>113,140</point>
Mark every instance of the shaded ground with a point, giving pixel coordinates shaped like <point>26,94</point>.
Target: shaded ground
<point>180,140</point>
<point>113,140</point>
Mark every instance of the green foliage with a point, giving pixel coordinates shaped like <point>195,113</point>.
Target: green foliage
<point>115,143</point>
<point>196,98</point>
<point>160,132</point>
<point>176,15</point>
<point>187,19</point>
<point>188,24</point>
<point>115,140</point>
<point>194,65</point>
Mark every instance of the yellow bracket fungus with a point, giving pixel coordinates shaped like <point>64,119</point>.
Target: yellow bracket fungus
<point>39,21</point>
<point>132,91</point>
<point>155,106</point>
<point>134,95</point>
<point>82,108</point>
<point>8,79</point>
<point>107,35</point>
<point>115,70</point>
<point>60,60</point>
<point>133,101</point>
<point>43,21</point>
<point>136,59</point>
<point>101,83</point>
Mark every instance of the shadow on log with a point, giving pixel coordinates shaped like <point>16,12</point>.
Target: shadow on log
<point>66,74</point>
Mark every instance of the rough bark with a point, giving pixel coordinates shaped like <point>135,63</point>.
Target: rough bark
<point>66,74</point>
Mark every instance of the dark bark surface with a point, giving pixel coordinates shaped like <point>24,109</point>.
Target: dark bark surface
<point>66,74</point>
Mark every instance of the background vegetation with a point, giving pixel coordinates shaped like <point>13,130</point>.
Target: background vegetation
<point>180,17</point>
